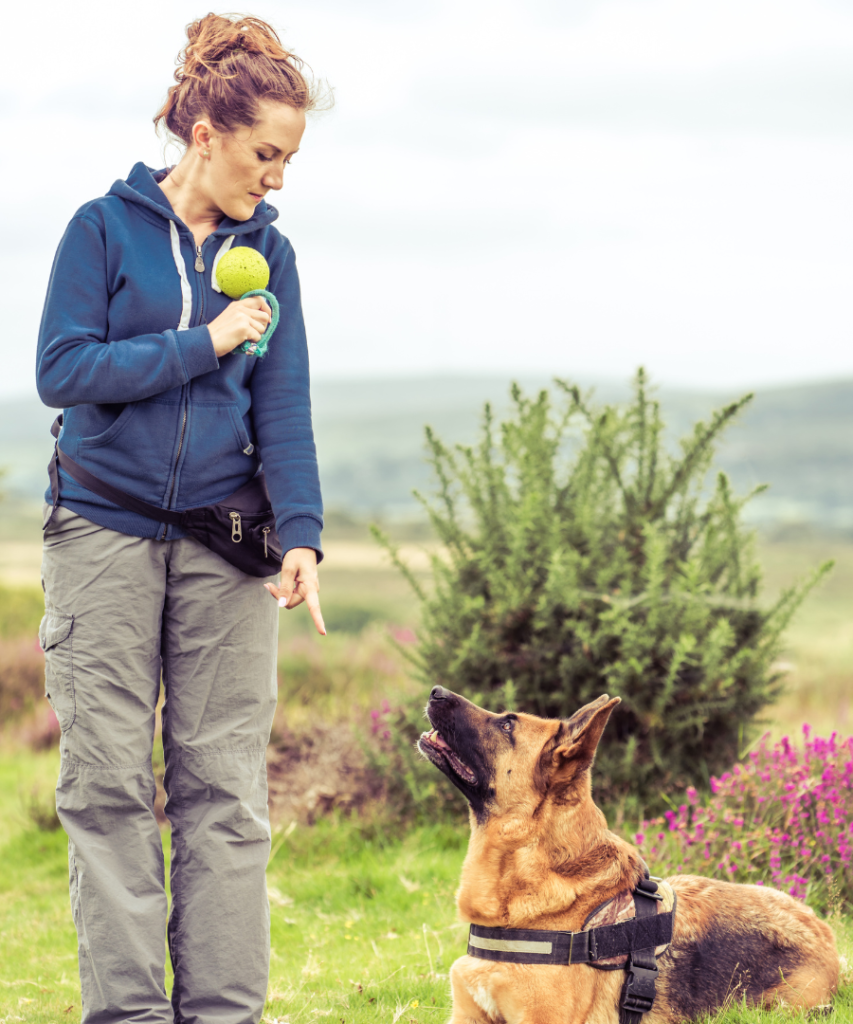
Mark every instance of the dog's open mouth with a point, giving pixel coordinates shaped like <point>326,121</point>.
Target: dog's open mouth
<point>433,746</point>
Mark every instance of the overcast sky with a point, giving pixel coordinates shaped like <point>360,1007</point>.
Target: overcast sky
<point>568,186</point>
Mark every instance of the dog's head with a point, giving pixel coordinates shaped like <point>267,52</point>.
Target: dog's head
<point>512,762</point>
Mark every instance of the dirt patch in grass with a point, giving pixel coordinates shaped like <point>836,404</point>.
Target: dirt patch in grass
<point>316,771</point>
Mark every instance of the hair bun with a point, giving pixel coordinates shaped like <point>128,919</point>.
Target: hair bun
<point>215,41</point>
<point>229,63</point>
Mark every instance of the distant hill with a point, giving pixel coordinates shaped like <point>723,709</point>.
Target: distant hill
<point>370,441</point>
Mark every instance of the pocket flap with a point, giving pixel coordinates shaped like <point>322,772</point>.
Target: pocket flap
<point>54,628</point>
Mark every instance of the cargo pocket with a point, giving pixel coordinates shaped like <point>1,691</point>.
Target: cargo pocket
<point>55,640</point>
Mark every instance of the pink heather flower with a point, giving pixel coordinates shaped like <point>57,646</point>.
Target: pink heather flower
<point>790,808</point>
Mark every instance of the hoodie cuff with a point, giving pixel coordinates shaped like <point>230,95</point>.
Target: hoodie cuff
<point>301,532</point>
<point>196,351</point>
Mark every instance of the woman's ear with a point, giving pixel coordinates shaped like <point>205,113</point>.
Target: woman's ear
<point>202,136</point>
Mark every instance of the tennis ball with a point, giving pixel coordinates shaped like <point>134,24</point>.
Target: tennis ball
<point>242,270</point>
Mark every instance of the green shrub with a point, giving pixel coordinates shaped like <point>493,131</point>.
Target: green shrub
<point>581,556</point>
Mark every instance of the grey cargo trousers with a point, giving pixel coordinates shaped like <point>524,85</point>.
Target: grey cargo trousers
<point>119,610</point>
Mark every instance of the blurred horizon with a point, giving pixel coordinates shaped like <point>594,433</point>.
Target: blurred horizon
<point>370,440</point>
<point>537,188</point>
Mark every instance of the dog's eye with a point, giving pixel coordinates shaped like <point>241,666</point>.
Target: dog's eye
<point>507,725</point>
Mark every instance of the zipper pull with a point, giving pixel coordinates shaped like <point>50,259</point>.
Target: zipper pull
<point>266,531</point>
<point>236,527</point>
<point>199,262</point>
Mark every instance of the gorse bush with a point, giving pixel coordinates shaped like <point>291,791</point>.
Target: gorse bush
<point>783,817</point>
<point>582,556</point>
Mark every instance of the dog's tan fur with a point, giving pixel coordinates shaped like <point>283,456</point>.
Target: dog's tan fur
<point>541,856</point>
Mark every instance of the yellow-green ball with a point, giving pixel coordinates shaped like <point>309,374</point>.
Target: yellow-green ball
<point>242,270</point>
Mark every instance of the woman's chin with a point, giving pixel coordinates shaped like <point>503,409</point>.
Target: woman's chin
<point>239,210</point>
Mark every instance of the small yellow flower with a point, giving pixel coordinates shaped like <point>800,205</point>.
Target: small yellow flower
<point>415,1004</point>
<point>348,924</point>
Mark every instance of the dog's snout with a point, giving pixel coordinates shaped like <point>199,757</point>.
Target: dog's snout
<point>439,693</point>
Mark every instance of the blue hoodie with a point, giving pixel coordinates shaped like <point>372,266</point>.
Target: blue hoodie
<point>124,349</point>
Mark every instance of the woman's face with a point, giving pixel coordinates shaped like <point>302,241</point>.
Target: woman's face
<point>250,162</point>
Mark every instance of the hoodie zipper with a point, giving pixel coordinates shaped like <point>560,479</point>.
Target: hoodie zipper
<point>175,469</point>
<point>199,266</point>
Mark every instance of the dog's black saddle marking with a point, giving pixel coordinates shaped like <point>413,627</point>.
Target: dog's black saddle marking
<point>638,938</point>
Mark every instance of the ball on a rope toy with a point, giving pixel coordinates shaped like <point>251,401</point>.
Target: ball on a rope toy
<point>243,272</point>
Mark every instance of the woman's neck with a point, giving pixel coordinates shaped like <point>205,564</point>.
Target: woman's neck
<point>188,200</point>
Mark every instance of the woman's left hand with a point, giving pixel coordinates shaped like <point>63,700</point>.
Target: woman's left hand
<point>299,582</point>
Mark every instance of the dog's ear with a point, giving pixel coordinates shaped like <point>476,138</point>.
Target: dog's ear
<point>572,748</point>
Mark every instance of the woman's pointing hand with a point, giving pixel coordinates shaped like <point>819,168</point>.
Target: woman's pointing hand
<point>300,582</point>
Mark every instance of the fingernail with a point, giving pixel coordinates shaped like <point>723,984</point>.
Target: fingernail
<point>282,602</point>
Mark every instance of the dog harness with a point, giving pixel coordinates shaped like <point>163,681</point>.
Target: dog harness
<point>631,944</point>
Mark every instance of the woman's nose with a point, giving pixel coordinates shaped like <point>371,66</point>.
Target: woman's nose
<point>274,179</point>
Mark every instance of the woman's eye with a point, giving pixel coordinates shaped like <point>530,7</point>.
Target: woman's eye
<point>266,159</point>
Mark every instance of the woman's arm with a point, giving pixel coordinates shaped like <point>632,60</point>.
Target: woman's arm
<point>281,412</point>
<point>75,364</point>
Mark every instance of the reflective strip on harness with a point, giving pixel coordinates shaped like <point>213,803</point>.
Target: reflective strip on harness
<point>511,945</point>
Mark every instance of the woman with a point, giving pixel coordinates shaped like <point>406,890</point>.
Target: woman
<point>138,346</point>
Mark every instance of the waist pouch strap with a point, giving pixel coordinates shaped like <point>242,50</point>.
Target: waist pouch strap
<point>240,528</point>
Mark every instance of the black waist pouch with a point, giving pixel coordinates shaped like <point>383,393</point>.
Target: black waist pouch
<point>240,528</point>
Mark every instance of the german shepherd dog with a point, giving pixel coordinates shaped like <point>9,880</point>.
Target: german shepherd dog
<point>541,857</point>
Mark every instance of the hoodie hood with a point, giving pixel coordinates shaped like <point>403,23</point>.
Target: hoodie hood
<point>142,187</point>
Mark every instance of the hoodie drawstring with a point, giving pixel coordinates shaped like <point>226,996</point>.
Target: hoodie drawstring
<point>186,290</point>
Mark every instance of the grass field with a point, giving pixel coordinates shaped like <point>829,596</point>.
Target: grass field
<point>364,922</point>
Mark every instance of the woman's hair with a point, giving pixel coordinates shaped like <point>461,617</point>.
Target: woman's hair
<point>227,66</point>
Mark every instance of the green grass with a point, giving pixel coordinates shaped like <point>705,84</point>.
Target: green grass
<point>363,922</point>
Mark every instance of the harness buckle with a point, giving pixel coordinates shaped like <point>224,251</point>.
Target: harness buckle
<point>638,992</point>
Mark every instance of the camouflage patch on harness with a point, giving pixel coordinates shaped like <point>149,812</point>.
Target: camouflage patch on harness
<point>621,908</point>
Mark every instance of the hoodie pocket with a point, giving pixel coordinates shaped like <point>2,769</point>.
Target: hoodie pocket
<point>55,637</point>
<point>244,442</point>
<point>220,456</point>
<point>113,430</point>
<point>137,451</point>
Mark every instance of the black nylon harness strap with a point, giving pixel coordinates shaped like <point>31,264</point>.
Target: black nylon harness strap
<point>638,992</point>
<point>539,946</point>
<point>637,938</point>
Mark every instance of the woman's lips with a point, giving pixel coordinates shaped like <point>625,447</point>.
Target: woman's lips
<point>256,197</point>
